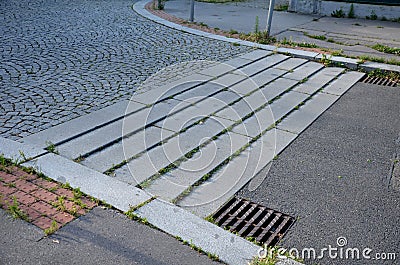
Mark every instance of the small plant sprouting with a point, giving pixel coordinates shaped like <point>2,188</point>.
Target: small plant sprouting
<point>284,7</point>
<point>210,219</point>
<point>22,154</point>
<point>257,26</point>
<point>16,212</point>
<point>326,59</point>
<point>53,228</point>
<point>51,147</point>
<point>338,13</point>
<point>60,204</point>
<point>351,12</point>
<point>373,16</point>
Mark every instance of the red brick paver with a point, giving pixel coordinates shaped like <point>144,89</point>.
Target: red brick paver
<point>42,200</point>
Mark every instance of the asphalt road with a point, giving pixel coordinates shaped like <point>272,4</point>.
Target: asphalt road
<point>102,236</point>
<point>335,178</point>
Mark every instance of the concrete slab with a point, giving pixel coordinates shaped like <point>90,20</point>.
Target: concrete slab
<point>318,80</point>
<point>299,120</point>
<point>228,80</point>
<point>238,62</point>
<point>207,198</point>
<point>304,71</point>
<point>127,148</point>
<point>255,55</point>
<point>200,92</point>
<point>257,123</point>
<point>262,64</point>
<point>290,64</point>
<point>176,221</point>
<point>343,83</point>
<point>80,125</point>
<point>113,132</point>
<point>100,186</point>
<point>267,76</point>
<point>160,93</point>
<point>286,103</point>
<point>218,70</point>
<point>244,87</point>
<point>277,87</point>
<point>170,185</point>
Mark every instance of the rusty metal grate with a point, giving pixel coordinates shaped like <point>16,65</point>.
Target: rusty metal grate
<point>376,80</point>
<point>250,219</point>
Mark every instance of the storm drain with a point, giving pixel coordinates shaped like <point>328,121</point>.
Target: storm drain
<point>250,219</point>
<point>378,81</point>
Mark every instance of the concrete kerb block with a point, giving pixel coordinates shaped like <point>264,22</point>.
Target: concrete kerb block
<point>341,61</point>
<point>299,53</point>
<point>178,222</point>
<point>371,66</point>
<point>116,193</point>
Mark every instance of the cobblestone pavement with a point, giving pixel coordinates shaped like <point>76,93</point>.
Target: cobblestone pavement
<point>62,59</point>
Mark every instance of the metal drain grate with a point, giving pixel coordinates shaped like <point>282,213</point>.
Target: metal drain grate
<point>378,81</point>
<point>250,219</point>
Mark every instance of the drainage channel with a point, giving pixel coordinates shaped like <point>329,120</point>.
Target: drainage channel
<point>376,80</point>
<point>252,220</point>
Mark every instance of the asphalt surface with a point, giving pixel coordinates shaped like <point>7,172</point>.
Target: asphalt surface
<point>335,177</point>
<point>63,59</point>
<point>103,236</point>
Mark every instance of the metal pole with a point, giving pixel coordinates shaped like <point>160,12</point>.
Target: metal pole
<point>191,17</point>
<point>270,12</point>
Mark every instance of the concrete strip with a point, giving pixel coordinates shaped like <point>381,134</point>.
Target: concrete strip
<point>255,55</point>
<point>127,148</point>
<point>262,64</point>
<point>218,70</point>
<point>290,64</point>
<point>299,120</point>
<point>176,221</point>
<point>277,87</point>
<point>114,131</point>
<point>120,195</point>
<point>228,80</point>
<point>80,125</point>
<point>238,62</point>
<point>286,103</point>
<point>304,71</point>
<point>212,194</point>
<point>170,185</point>
<point>142,168</point>
<point>343,83</point>
<point>18,151</point>
<point>371,66</point>
<point>318,80</point>
<point>267,76</point>
<point>257,123</point>
<point>176,87</point>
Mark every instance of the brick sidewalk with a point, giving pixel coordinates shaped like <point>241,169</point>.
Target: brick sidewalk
<point>47,204</point>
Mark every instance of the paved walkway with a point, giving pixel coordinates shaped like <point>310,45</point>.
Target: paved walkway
<point>60,60</point>
<point>197,141</point>
<point>193,141</point>
<point>353,36</point>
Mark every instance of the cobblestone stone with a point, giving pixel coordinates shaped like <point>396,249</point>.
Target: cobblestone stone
<point>60,60</point>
